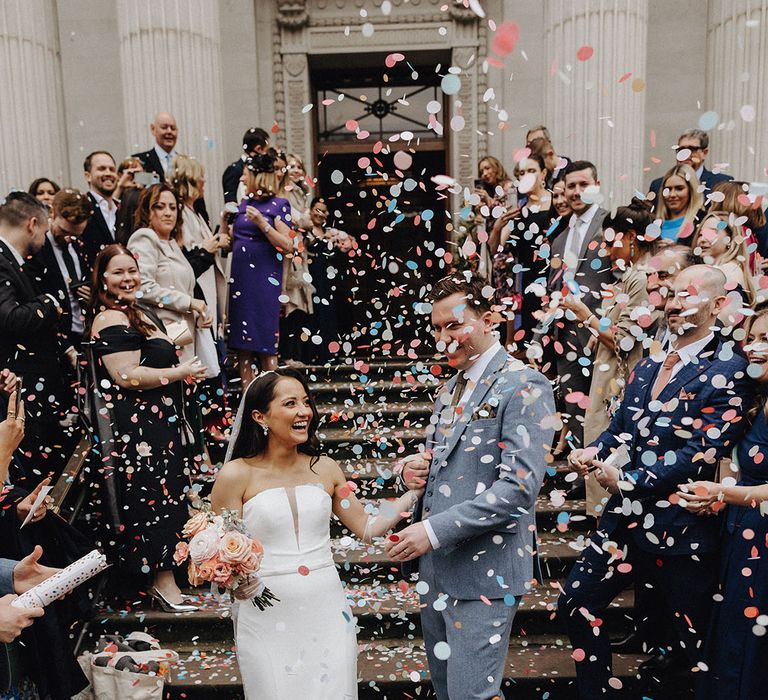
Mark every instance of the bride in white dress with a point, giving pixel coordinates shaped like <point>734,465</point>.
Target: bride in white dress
<point>305,645</point>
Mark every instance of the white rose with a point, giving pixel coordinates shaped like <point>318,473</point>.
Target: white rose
<point>203,546</point>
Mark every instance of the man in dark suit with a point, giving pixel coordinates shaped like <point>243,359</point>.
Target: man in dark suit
<point>101,176</point>
<point>29,342</point>
<point>59,268</point>
<point>255,141</point>
<point>695,142</point>
<point>576,268</point>
<point>159,158</point>
<point>683,409</point>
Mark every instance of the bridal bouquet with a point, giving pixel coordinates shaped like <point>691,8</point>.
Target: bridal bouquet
<point>221,552</point>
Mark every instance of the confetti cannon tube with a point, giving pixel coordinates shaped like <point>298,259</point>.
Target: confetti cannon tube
<point>63,582</point>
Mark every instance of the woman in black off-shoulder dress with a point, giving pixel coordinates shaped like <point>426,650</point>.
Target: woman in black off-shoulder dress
<point>139,392</point>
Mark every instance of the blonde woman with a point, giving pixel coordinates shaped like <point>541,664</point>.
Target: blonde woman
<point>720,242</point>
<point>679,204</point>
<point>262,237</point>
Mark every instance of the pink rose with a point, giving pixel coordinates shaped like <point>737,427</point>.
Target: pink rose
<point>197,523</point>
<point>234,547</point>
<point>204,545</point>
<point>222,572</point>
<point>181,553</point>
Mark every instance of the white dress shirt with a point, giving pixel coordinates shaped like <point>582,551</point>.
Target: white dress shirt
<point>577,230</point>
<point>165,158</point>
<point>474,374</point>
<point>74,303</point>
<point>108,210</point>
<point>688,353</point>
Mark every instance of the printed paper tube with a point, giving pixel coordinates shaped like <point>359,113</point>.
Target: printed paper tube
<point>63,582</point>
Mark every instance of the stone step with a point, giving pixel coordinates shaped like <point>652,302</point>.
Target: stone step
<point>359,413</point>
<point>536,667</point>
<point>382,612</point>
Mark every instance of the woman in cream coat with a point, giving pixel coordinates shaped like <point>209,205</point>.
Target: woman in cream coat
<point>167,278</point>
<point>617,341</point>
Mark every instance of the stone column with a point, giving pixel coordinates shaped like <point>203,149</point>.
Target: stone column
<point>171,61</point>
<point>32,137</point>
<point>737,72</point>
<point>590,113</point>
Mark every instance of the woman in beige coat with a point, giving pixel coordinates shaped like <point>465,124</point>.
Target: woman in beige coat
<point>167,278</point>
<point>623,322</point>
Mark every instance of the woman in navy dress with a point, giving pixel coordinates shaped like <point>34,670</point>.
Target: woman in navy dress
<point>262,233</point>
<point>737,642</point>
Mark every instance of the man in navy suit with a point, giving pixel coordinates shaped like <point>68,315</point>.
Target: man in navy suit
<point>158,159</point>
<point>696,144</point>
<point>683,409</point>
<point>255,141</point>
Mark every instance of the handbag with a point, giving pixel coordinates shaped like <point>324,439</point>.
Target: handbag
<point>179,333</point>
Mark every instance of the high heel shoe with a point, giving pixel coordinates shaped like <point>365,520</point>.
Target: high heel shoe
<point>167,606</point>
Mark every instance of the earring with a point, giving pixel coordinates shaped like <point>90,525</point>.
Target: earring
<point>265,428</point>
<point>632,249</point>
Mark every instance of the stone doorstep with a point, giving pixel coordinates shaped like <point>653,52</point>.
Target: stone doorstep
<point>538,661</point>
<point>369,602</point>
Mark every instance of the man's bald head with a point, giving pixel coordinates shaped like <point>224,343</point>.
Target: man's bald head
<point>696,299</point>
<point>164,129</point>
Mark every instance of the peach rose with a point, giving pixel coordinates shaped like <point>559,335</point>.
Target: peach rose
<point>234,547</point>
<point>222,572</point>
<point>257,549</point>
<point>197,523</point>
<point>250,565</point>
<point>207,569</point>
<point>204,545</point>
<point>194,576</point>
<point>181,553</point>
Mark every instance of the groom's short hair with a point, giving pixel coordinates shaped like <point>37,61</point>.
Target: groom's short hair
<point>478,294</point>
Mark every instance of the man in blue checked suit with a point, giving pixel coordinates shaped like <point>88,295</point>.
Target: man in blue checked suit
<point>474,530</point>
<point>681,412</point>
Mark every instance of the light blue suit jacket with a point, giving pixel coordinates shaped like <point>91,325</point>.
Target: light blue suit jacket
<point>486,471</point>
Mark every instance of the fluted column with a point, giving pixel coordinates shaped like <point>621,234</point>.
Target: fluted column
<point>590,113</point>
<point>32,138</point>
<point>737,71</point>
<point>171,61</point>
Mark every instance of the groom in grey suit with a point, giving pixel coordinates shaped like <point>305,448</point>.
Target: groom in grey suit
<point>474,530</point>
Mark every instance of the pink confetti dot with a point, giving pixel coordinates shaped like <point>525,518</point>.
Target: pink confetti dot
<point>505,38</point>
<point>392,59</point>
<point>585,53</point>
<point>578,655</point>
<point>304,570</point>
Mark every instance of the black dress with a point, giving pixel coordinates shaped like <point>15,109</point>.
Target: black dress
<point>737,643</point>
<point>149,450</point>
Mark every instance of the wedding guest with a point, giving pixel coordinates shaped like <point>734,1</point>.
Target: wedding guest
<point>576,264</point>
<point>167,278</point>
<point>692,149</point>
<point>720,242</point>
<point>738,201</point>
<point>187,177</point>
<point>493,187</point>
<point>60,269</point>
<point>514,242</point>
<point>737,645</point>
<point>560,200</point>
<point>255,141</point>
<point>555,164</point>
<point>29,342</point>
<point>327,247</point>
<point>158,159</point>
<point>101,176</point>
<point>140,389</point>
<point>618,331</point>
<point>296,285</point>
<point>679,204</point>
<point>641,535</point>
<point>262,236</point>
<point>43,189</point>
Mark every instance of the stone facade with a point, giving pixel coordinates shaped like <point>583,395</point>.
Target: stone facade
<point>101,68</point>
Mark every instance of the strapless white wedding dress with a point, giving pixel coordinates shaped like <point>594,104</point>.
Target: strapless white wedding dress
<point>305,645</point>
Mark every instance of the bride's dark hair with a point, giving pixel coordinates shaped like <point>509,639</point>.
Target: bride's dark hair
<point>251,439</point>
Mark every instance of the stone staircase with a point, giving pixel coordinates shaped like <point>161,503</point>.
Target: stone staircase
<point>373,414</point>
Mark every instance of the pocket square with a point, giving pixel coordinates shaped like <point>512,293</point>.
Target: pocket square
<point>685,395</point>
<point>485,411</point>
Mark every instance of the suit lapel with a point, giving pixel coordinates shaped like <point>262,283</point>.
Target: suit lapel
<point>24,283</point>
<point>593,230</point>
<point>460,423</point>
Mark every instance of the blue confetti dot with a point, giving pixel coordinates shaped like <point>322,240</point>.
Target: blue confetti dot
<point>509,600</point>
<point>427,214</point>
